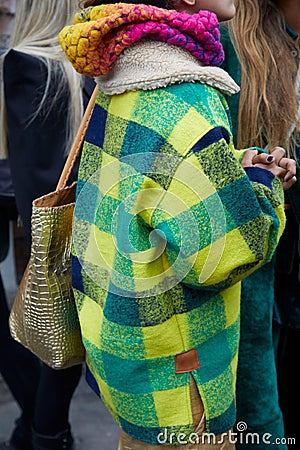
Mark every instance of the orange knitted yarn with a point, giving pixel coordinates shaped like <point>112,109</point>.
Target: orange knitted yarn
<point>99,34</point>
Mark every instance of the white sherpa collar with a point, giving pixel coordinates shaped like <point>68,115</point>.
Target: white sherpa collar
<point>151,65</point>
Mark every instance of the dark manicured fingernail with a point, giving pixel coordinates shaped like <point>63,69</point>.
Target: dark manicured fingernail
<point>270,158</point>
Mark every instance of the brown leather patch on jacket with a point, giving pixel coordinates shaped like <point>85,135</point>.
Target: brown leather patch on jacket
<point>187,361</point>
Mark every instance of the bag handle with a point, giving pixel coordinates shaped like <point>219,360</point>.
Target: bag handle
<point>77,142</point>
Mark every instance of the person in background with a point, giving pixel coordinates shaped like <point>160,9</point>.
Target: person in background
<point>42,105</point>
<point>19,368</point>
<point>169,217</point>
<point>7,12</point>
<point>261,48</point>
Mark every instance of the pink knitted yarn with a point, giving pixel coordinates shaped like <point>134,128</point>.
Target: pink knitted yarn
<point>99,34</point>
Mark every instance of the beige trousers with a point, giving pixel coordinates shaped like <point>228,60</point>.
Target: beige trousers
<point>203,443</point>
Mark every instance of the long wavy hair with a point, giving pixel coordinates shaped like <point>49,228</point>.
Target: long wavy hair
<point>268,108</point>
<point>35,32</point>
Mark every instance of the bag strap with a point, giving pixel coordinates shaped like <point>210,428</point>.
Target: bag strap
<point>77,141</point>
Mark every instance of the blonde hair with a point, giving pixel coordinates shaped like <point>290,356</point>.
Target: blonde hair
<point>35,32</point>
<point>268,108</point>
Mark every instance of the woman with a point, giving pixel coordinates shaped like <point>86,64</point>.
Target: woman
<point>42,113</point>
<point>264,36</point>
<point>167,221</point>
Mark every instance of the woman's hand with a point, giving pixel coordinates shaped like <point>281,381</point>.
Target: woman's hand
<point>275,162</point>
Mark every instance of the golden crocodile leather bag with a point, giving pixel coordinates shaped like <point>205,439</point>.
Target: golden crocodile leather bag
<point>43,317</point>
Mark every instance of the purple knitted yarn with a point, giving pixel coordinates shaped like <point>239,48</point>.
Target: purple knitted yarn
<point>100,34</point>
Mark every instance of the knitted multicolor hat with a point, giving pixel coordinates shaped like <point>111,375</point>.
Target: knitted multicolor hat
<point>99,34</point>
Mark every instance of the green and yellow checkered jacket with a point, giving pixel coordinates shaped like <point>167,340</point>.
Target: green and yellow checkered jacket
<point>166,224</point>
